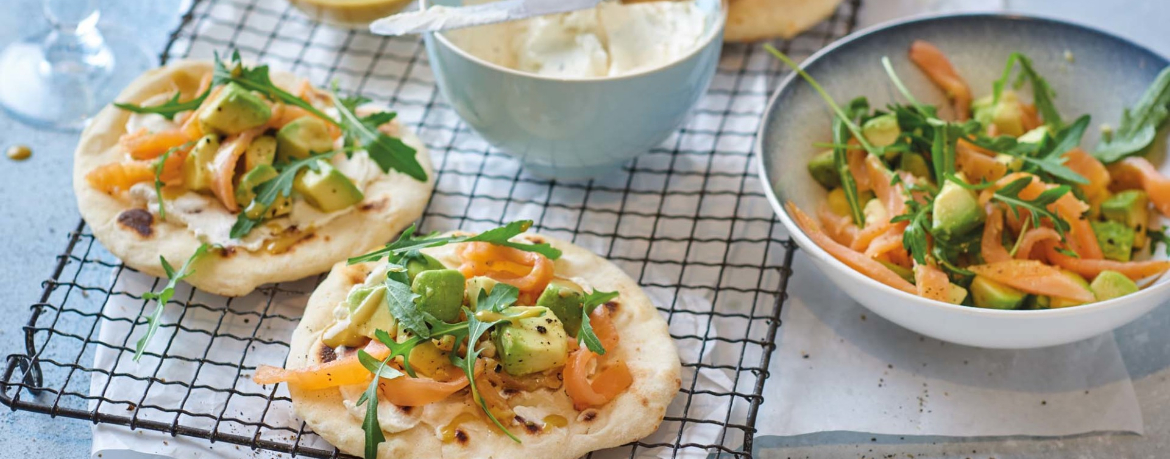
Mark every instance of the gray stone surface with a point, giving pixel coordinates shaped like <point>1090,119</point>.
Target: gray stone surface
<point>37,210</point>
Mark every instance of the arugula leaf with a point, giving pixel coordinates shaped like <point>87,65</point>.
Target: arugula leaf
<point>167,109</point>
<point>407,242</point>
<point>268,192</point>
<point>1042,93</point>
<point>914,236</point>
<point>1038,207</point>
<point>856,108</point>
<point>1158,236</point>
<point>369,398</point>
<point>475,329</point>
<point>388,152</point>
<point>1139,125</point>
<point>585,334</point>
<point>377,367</point>
<point>158,183</point>
<point>401,300</point>
<point>901,87</point>
<point>161,298</point>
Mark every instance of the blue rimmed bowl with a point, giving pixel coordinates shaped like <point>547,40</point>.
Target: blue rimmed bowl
<point>1091,71</point>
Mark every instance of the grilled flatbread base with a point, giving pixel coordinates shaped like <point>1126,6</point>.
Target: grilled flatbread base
<point>391,203</point>
<point>753,20</point>
<point>645,346</point>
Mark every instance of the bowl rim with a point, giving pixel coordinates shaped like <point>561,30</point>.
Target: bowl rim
<point>708,37</point>
<point>815,251</point>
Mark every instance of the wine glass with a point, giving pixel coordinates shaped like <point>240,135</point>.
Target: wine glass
<point>61,78</point>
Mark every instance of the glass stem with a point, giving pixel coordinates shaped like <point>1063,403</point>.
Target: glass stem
<point>75,46</point>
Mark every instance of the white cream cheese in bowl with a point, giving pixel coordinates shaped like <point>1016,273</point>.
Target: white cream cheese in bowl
<point>612,39</point>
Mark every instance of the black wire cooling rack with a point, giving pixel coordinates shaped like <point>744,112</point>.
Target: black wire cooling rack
<point>688,220</point>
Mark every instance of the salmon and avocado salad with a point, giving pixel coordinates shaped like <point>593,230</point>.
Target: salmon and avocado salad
<point>998,205</point>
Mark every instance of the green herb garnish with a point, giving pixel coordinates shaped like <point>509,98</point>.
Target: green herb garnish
<point>408,243</point>
<point>161,298</point>
<point>1037,207</point>
<point>167,109</point>
<point>158,183</point>
<point>1140,124</point>
<point>268,192</point>
<point>585,334</point>
<point>1042,93</point>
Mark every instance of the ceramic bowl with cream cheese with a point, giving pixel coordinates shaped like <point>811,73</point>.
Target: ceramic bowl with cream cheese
<point>568,115</point>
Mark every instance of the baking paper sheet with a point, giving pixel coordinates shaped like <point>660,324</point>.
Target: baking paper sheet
<point>840,367</point>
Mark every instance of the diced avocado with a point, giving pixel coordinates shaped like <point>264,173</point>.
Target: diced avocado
<point>990,294</point>
<point>282,205</point>
<point>838,203</point>
<point>474,285</point>
<point>327,188</point>
<point>981,110</point>
<point>956,294</point>
<point>1035,135</point>
<point>956,211</point>
<point>1056,302</point>
<point>245,191</point>
<point>364,313</point>
<point>429,360</point>
<point>881,131</point>
<point>440,293</point>
<point>262,150</point>
<point>915,164</point>
<point>1038,302</point>
<point>875,211</point>
<point>533,344</point>
<point>233,110</point>
<point>196,172</point>
<point>1131,207</point>
<point>422,263</point>
<point>565,299</point>
<point>1115,239</point>
<point>302,137</point>
<point>1008,114</point>
<point>1112,284</point>
<point>1013,163</point>
<point>900,271</point>
<point>823,170</point>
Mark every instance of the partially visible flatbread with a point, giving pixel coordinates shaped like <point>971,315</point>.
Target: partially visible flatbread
<point>753,20</point>
<point>391,203</point>
<point>645,346</point>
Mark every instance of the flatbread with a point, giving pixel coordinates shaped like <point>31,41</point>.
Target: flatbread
<point>754,20</point>
<point>645,346</point>
<point>391,203</point>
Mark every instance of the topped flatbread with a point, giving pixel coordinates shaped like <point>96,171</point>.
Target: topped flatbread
<point>279,183</point>
<point>577,358</point>
<point>754,20</point>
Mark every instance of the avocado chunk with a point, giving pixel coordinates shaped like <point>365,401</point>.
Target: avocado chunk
<point>1056,302</point>
<point>915,164</point>
<point>565,299</point>
<point>986,293</point>
<point>303,136</point>
<point>246,190</point>
<point>474,285</point>
<point>956,211</point>
<point>1112,284</point>
<point>956,294</point>
<point>823,170</point>
<point>900,271</point>
<point>1035,136</point>
<point>838,203</point>
<point>533,344</point>
<point>881,131</point>
<point>1115,239</point>
<point>875,211</point>
<point>981,110</point>
<point>282,205</point>
<point>327,188</point>
<point>262,150</point>
<point>196,172</point>
<point>1131,207</point>
<point>440,293</point>
<point>1008,114</point>
<point>364,312</point>
<point>421,263</point>
<point>1012,163</point>
<point>234,110</point>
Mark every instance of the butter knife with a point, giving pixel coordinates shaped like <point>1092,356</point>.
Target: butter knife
<point>438,18</point>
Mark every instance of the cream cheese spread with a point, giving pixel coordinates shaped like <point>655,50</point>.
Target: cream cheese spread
<point>612,39</point>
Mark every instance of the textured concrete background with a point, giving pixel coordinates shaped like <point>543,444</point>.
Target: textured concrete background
<point>37,210</point>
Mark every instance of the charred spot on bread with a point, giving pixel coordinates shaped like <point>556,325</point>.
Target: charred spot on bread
<point>612,306</point>
<point>326,354</point>
<point>461,436</point>
<point>375,206</point>
<point>138,220</point>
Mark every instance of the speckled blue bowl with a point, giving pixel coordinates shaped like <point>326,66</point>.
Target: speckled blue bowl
<point>574,128</point>
<point>1091,71</point>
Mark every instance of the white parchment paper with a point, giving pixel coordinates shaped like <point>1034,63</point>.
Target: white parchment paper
<point>840,367</point>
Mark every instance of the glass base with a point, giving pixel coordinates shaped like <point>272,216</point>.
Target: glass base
<point>66,96</point>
